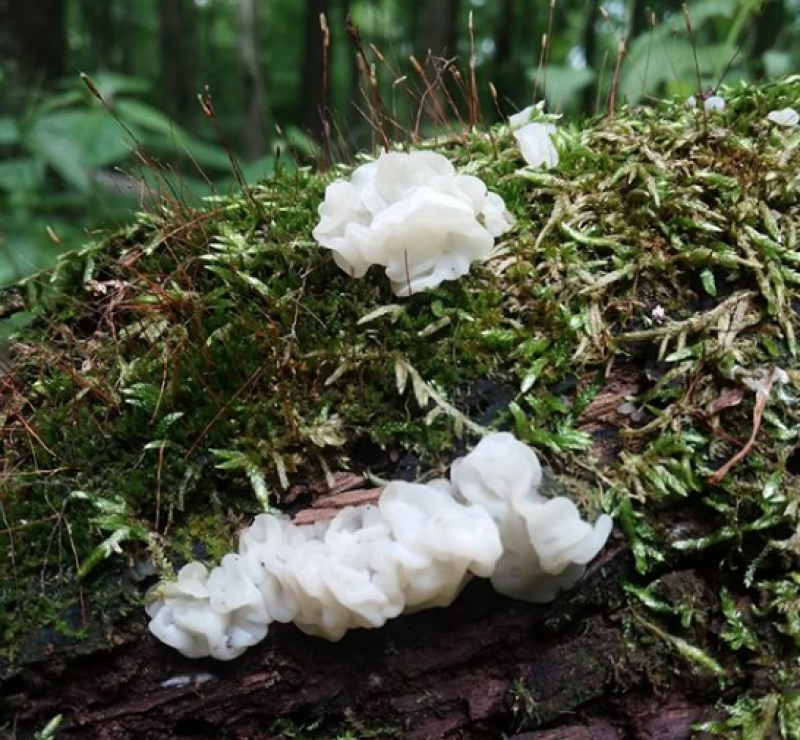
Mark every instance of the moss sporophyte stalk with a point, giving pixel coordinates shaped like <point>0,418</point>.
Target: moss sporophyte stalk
<point>181,376</point>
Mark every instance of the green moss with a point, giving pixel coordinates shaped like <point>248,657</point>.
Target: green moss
<point>179,376</point>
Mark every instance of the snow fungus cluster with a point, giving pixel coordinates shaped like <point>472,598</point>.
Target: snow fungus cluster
<point>416,549</point>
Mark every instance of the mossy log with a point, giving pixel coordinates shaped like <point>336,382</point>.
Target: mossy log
<point>481,668</point>
<point>637,327</point>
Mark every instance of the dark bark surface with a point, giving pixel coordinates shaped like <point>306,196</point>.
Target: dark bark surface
<point>254,93</point>
<point>315,74</point>
<point>176,41</point>
<point>484,667</point>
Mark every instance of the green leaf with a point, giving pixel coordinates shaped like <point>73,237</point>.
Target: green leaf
<point>237,460</point>
<point>9,131</point>
<point>709,284</point>
<point>257,169</point>
<point>259,484</point>
<point>736,633</point>
<point>695,655</point>
<point>665,54</point>
<point>532,373</point>
<point>159,132</point>
<point>24,174</point>
<point>142,395</point>
<point>646,596</point>
<point>76,142</point>
<point>168,421</point>
<point>48,732</point>
<point>258,285</point>
<point>105,549</point>
<point>777,63</point>
<point>789,714</point>
<point>111,85</point>
<point>147,118</point>
<point>23,250</point>
<point>640,535</point>
<point>206,155</point>
<point>565,84</point>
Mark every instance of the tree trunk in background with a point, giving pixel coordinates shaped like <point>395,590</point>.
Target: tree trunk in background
<point>99,20</point>
<point>589,97</point>
<point>530,30</point>
<point>204,23</point>
<point>34,36</point>
<point>312,80</point>
<point>254,96</point>
<point>351,117</point>
<point>506,67</point>
<point>126,41</point>
<point>438,32</point>
<point>436,41</point>
<point>175,41</point>
<point>638,14</point>
<point>502,39</point>
<point>770,22</point>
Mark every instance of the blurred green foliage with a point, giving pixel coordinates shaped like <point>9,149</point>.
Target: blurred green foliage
<point>75,164</point>
<point>69,164</point>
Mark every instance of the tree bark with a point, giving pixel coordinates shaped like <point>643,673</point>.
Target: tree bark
<point>638,14</point>
<point>483,666</point>
<point>590,51</point>
<point>437,42</point>
<point>351,117</point>
<point>99,21</point>
<point>254,94</point>
<point>175,40</point>
<point>315,77</point>
<point>438,33</point>
<point>503,35</point>
<point>505,74</point>
<point>33,40</point>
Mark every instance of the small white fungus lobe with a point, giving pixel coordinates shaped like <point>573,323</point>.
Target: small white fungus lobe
<point>414,215</point>
<point>711,104</point>
<point>415,550</point>
<point>787,117</point>
<point>714,103</point>
<point>534,139</point>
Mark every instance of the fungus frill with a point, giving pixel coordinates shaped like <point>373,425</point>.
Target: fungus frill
<point>711,103</point>
<point>413,215</point>
<point>534,139</point>
<point>786,117</point>
<point>416,549</point>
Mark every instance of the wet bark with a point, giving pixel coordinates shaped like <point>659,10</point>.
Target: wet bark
<point>484,666</point>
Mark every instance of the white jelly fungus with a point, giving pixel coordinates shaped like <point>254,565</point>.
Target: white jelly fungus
<point>714,103</point>
<point>416,549</point>
<point>414,215</point>
<point>534,138</point>
<point>787,117</point>
<point>711,104</point>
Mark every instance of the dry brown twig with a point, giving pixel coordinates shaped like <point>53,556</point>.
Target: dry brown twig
<point>762,397</point>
